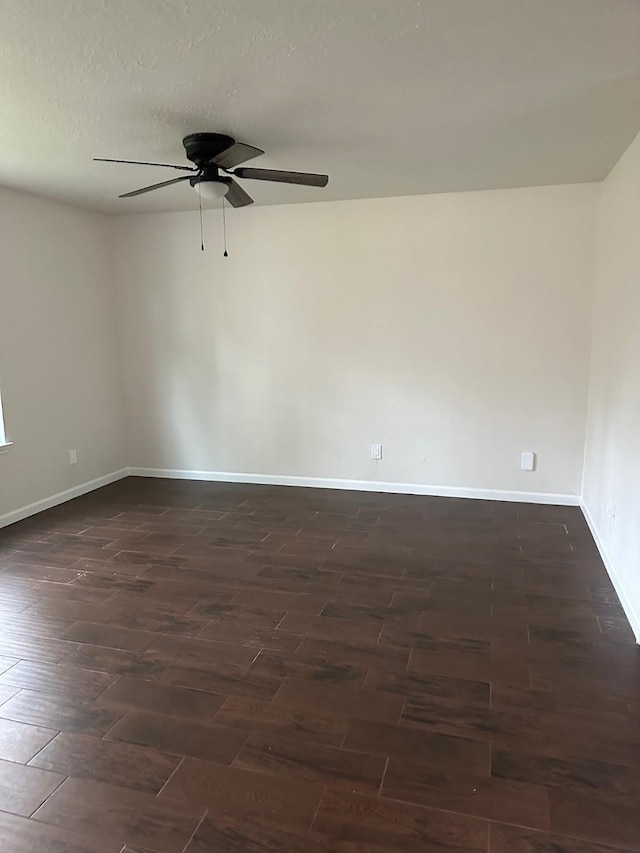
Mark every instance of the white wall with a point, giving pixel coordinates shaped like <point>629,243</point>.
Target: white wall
<point>58,355</point>
<point>612,459</point>
<point>454,329</point>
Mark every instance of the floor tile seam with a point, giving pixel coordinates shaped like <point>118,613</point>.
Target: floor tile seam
<point>195,636</point>
<point>6,672</point>
<point>190,687</point>
<point>161,713</point>
<point>46,799</point>
<point>314,744</point>
<point>133,547</point>
<point>42,748</point>
<point>193,834</point>
<point>125,711</point>
<point>119,628</point>
<point>317,808</point>
<point>17,610</point>
<point>384,773</point>
<point>458,813</point>
<point>486,820</point>
<point>9,625</point>
<point>116,680</point>
<point>608,846</point>
<point>71,666</point>
<point>205,721</point>
<point>4,569</point>
<point>171,775</point>
<point>4,702</point>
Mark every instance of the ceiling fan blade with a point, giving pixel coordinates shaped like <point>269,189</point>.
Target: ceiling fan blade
<point>236,196</point>
<point>307,179</point>
<point>144,163</point>
<point>235,154</point>
<point>154,187</point>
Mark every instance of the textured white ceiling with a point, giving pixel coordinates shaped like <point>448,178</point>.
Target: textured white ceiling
<point>390,97</point>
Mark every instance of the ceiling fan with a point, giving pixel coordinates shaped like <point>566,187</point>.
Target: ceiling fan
<point>216,153</point>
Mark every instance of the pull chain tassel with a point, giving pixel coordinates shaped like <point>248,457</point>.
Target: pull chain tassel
<point>200,205</point>
<point>225,254</point>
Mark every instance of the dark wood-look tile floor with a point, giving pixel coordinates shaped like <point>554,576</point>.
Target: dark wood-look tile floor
<point>195,667</point>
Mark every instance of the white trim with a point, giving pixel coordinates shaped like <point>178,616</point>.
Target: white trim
<point>5,445</point>
<point>630,612</point>
<point>359,485</point>
<point>61,497</point>
<point>3,435</point>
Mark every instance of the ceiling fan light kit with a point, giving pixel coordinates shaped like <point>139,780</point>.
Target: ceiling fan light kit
<point>211,190</point>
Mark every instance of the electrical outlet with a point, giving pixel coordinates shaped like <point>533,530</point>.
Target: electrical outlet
<point>376,451</point>
<point>73,456</point>
<point>528,460</point>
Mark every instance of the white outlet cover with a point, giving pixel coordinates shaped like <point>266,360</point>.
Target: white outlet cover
<point>528,460</point>
<point>376,451</point>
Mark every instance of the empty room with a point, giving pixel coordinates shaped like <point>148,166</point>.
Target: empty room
<point>319,426</point>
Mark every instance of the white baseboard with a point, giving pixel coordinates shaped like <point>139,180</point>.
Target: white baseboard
<point>629,610</point>
<point>359,485</point>
<point>61,497</point>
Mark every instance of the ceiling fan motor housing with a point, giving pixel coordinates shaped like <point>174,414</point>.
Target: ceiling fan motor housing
<point>201,148</point>
<point>210,175</point>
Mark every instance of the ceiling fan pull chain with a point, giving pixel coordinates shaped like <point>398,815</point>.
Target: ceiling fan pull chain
<point>200,206</point>
<point>224,228</point>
